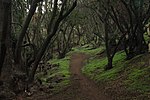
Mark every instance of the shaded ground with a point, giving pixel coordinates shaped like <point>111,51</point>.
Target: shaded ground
<point>127,80</point>
<point>82,88</point>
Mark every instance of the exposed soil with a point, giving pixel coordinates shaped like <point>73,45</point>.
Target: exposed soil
<point>81,88</point>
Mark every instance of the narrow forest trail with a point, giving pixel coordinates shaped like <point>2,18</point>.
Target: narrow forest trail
<point>81,87</point>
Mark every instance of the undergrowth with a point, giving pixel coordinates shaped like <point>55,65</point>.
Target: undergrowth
<point>138,74</point>
<point>62,71</point>
<point>95,68</point>
<point>136,71</point>
<point>87,49</point>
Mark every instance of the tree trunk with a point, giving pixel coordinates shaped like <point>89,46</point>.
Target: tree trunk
<point>23,32</point>
<point>109,65</point>
<point>6,57</point>
<point>66,46</point>
<point>53,27</point>
<point>5,20</point>
<point>107,45</point>
<point>41,52</point>
<point>141,44</point>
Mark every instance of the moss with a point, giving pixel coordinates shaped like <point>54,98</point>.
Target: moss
<point>95,68</point>
<point>105,76</point>
<point>138,79</point>
<point>63,66</point>
<point>61,71</point>
<point>120,56</point>
<point>87,49</point>
<point>135,70</point>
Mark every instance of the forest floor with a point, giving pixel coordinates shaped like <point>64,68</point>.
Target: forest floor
<point>81,87</point>
<point>87,79</point>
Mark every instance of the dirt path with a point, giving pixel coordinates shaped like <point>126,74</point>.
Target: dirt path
<point>82,88</point>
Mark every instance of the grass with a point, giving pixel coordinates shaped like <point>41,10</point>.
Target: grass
<point>61,71</point>
<point>87,49</point>
<point>95,68</point>
<point>138,78</point>
<point>64,65</point>
<point>136,71</point>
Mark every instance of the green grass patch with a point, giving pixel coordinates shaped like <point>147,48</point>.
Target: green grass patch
<point>87,49</point>
<point>136,72</point>
<point>138,78</point>
<point>63,65</point>
<point>95,68</point>
<point>62,71</point>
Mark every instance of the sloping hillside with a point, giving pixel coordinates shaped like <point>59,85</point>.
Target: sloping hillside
<point>128,80</point>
